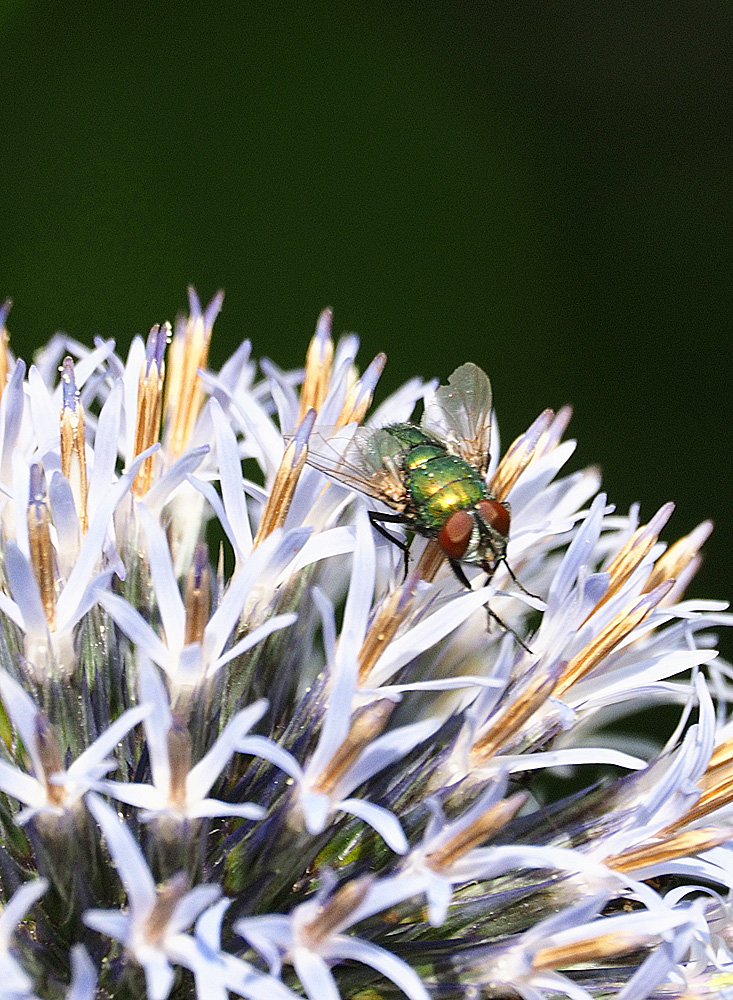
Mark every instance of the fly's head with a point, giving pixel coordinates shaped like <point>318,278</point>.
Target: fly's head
<point>478,535</point>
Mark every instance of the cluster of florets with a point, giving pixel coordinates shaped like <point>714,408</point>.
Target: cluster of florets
<point>290,768</point>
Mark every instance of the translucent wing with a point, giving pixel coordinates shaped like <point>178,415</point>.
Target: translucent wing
<point>460,415</point>
<point>367,459</point>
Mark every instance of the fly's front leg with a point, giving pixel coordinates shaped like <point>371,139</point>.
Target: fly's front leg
<point>492,616</point>
<point>521,586</point>
<point>378,519</point>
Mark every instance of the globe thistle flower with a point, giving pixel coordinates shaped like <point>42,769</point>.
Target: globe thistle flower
<point>268,731</point>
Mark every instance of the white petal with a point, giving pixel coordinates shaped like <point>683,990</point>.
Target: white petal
<point>261,746</point>
<point>215,807</point>
<point>170,603</point>
<point>17,906</point>
<point>105,446</point>
<point>158,724</point>
<point>135,627</point>
<point>262,631</point>
<point>204,774</point>
<point>91,546</point>
<point>12,410</point>
<point>159,974</point>
<point>127,856</point>
<point>83,975</point>
<point>392,967</point>
<point>23,712</point>
<point>65,520</point>
<point>439,892</point>
<point>571,756</point>
<point>388,748</point>
<point>427,633</point>
<point>161,491</point>
<point>44,415</point>
<point>230,477</point>
<point>113,923</point>
<point>380,819</point>
<point>148,797</point>
<point>22,786</point>
<point>24,588</point>
<point>208,492</point>
<point>361,590</point>
<point>106,742</point>
<point>314,975</point>
<point>191,906</point>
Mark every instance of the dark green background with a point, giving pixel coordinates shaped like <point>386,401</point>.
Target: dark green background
<point>543,189</point>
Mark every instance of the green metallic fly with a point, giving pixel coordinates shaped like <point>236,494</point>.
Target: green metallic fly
<point>433,476</point>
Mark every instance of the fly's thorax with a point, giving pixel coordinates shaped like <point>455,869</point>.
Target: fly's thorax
<point>410,435</point>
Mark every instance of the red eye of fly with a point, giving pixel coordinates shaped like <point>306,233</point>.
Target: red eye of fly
<point>495,514</point>
<point>454,536</point>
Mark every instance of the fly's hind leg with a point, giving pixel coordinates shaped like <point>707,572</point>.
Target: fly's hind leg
<point>378,519</point>
<point>492,615</point>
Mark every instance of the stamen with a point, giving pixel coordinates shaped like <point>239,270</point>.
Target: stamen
<point>149,403</point>
<point>359,396</point>
<point>168,896</point>
<point>179,755</point>
<point>4,355</point>
<point>366,725</point>
<point>716,784</point>
<point>722,754</point>
<point>39,541</point>
<point>717,791</point>
<point>394,610</point>
<point>51,759</point>
<point>73,456</point>
<point>509,719</point>
<point>485,826</point>
<point>389,616</point>
<point>519,455</point>
<point>595,949</point>
<point>335,912</point>
<point>197,600</point>
<point>674,562</point>
<point>189,352</point>
<point>318,362</point>
<point>631,554</point>
<point>608,638</point>
<point>281,494</point>
<point>680,845</point>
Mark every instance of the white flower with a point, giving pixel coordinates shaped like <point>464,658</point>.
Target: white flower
<point>186,664</point>
<point>412,716</point>
<point>53,789</point>
<point>155,916</point>
<point>311,939</point>
<point>16,983</point>
<point>179,790</point>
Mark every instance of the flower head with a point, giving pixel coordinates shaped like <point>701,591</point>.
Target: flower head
<point>289,693</point>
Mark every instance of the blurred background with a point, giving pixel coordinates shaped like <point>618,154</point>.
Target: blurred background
<point>542,189</point>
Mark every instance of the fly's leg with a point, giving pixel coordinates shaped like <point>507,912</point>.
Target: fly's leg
<point>521,586</point>
<point>460,575</point>
<point>492,615</point>
<point>377,520</point>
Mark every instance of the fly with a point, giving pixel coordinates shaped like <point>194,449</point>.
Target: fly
<point>433,476</point>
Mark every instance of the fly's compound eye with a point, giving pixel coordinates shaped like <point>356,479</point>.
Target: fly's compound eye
<point>454,536</point>
<point>495,514</point>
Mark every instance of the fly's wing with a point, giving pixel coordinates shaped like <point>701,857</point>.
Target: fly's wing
<point>460,415</point>
<point>367,459</point>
